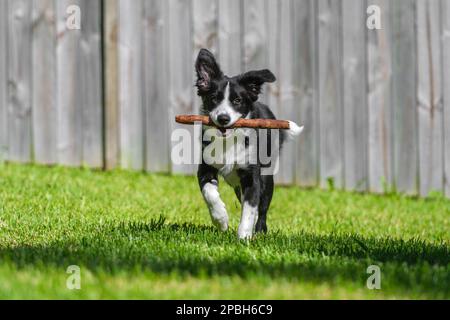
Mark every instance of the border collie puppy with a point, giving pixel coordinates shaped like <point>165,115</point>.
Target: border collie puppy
<point>225,100</point>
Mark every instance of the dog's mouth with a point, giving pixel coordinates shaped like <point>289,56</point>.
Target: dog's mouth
<point>223,131</point>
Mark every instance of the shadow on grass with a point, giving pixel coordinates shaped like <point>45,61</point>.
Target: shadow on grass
<point>188,249</point>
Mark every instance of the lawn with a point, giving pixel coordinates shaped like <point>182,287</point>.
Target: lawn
<point>137,235</point>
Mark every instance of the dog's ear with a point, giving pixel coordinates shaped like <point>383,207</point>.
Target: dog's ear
<point>253,80</point>
<point>207,70</point>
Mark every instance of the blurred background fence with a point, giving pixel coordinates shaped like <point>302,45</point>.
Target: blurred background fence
<point>375,103</point>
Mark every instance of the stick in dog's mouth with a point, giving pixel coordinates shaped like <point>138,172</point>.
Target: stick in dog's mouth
<point>291,128</point>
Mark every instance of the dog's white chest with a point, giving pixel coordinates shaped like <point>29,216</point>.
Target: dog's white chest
<point>231,177</point>
<point>228,154</point>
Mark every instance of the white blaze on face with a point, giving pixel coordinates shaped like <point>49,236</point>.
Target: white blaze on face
<point>225,107</point>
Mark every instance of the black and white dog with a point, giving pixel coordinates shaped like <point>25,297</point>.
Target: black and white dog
<point>225,100</point>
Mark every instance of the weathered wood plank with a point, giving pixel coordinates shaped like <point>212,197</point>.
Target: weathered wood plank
<point>180,77</point>
<point>230,36</point>
<point>260,31</point>
<point>271,58</point>
<point>69,97</point>
<point>379,75</point>
<point>79,92</point>
<point>19,80</point>
<point>330,103</point>
<point>205,25</point>
<point>111,83</point>
<point>286,97</point>
<point>354,94</point>
<point>44,82</point>
<point>269,15</point>
<point>155,68</point>
<point>255,49</point>
<point>429,96</point>
<point>445,10</point>
<point>3,80</point>
<point>204,35</point>
<point>130,85</point>
<point>404,96</point>
<point>305,64</point>
<point>90,65</point>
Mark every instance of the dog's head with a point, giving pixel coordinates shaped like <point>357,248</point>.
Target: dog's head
<point>227,99</point>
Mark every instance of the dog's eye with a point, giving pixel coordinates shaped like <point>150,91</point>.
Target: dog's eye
<point>213,98</point>
<point>237,101</point>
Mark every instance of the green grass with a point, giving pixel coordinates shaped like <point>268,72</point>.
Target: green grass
<point>136,235</point>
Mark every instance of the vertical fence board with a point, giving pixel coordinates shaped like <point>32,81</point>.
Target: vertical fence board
<point>181,68</point>
<point>285,73</point>
<point>354,94</point>
<point>19,80</point>
<point>90,65</point>
<point>204,35</point>
<point>272,91</point>
<point>155,84</point>
<point>404,96</point>
<point>111,84</point>
<point>306,92</point>
<point>330,100</point>
<point>446,91</point>
<point>379,73</point>
<point>229,37</point>
<point>255,34</point>
<point>271,59</point>
<point>205,23</point>
<point>429,96</point>
<point>69,99</point>
<point>260,42</point>
<point>44,81</point>
<point>3,80</point>
<point>130,85</point>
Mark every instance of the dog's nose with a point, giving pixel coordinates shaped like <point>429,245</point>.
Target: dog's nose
<point>223,119</point>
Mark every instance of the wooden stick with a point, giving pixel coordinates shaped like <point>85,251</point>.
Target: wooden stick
<point>241,123</point>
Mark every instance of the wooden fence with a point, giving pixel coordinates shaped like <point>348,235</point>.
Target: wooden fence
<point>375,103</point>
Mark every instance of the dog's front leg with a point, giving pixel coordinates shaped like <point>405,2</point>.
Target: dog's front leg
<point>209,185</point>
<point>250,202</point>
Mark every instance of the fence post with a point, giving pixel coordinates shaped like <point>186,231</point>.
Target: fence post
<point>110,84</point>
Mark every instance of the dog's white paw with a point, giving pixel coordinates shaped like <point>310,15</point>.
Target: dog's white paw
<point>221,224</point>
<point>244,234</point>
<point>217,208</point>
<point>219,215</point>
<point>248,220</point>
